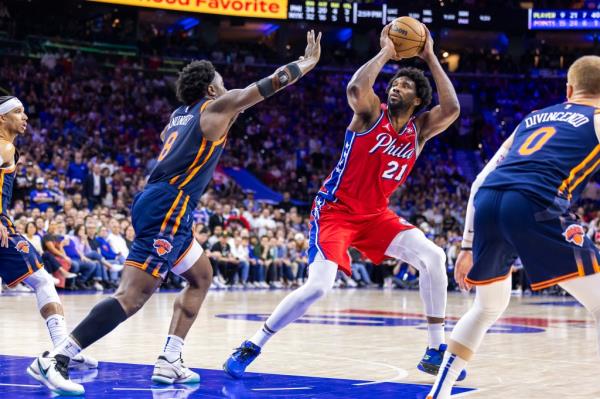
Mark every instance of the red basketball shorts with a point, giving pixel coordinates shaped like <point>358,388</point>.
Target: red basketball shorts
<point>334,229</point>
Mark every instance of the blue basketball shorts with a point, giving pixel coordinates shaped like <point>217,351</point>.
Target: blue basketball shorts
<point>508,225</point>
<point>162,219</point>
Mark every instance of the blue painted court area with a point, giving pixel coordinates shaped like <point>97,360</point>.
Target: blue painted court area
<point>123,380</point>
<point>557,303</point>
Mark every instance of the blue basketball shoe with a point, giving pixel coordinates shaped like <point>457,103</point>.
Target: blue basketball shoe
<point>432,360</point>
<point>241,358</point>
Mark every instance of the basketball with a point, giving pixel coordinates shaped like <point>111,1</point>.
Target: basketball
<point>408,35</point>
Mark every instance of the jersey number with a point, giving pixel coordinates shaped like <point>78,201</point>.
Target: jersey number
<point>537,140</point>
<point>168,145</point>
<point>393,167</point>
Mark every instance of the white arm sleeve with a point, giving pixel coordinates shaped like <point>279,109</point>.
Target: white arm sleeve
<point>469,231</point>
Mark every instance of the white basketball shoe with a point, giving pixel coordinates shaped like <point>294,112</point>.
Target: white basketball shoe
<point>175,372</point>
<point>53,372</point>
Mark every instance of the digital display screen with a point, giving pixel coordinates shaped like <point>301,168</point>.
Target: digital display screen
<point>348,12</point>
<point>564,19</point>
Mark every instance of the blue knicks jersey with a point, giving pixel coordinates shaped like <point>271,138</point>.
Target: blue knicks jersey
<point>554,153</point>
<point>7,179</point>
<point>187,160</point>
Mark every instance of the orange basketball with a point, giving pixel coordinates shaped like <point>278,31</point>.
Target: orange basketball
<point>408,35</point>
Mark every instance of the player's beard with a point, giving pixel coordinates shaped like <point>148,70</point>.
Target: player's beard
<point>398,107</point>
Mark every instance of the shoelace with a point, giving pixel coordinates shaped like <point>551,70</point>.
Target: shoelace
<point>181,361</point>
<point>62,366</point>
<point>243,353</point>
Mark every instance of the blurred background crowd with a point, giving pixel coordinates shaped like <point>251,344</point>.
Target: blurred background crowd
<point>96,111</point>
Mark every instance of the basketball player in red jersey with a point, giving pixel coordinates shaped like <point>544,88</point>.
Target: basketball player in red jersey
<point>351,209</point>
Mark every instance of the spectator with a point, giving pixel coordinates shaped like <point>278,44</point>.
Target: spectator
<point>32,236</point>
<point>227,264</point>
<point>299,259</point>
<point>40,197</point>
<point>264,222</point>
<point>90,271</point>
<point>24,183</point>
<point>94,187</point>
<point>54,256</point>
<point>216,219</point>
<point>239,250</point>
<point>359,271</point>
<point>114,260</point>
<point>57,195</point>
<point>257,263</point>
<point>116,240</point>
<point>129,236</point>
<point>78,170</point>
<point>275,263</point>
<point>286,203</point>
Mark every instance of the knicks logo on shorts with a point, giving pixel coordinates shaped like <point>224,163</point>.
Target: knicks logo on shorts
<point>162,246</point>
<point>22,246</point>
<point>574,234</point>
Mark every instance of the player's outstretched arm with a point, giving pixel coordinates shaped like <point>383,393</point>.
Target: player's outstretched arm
<point>361,96</point>
<point>441,116</point>
<point>219,114</point>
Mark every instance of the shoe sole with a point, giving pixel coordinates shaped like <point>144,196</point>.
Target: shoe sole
<point>158,379</point>
<point>229,373</point>
<point>428,368</point>
<point>433,370</point>
<point>40,378</point>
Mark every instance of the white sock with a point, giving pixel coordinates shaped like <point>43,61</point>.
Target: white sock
<point>57,327</point>
<point>68,347</point>
<point>436,335</point>
<point>449,371</point>
<point>173,347</point>
<point>262,336</point>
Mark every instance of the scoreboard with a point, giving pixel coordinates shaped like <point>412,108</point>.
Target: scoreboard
<point>564,19</point>
<point>350,12</point>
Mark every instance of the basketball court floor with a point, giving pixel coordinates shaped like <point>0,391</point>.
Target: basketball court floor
<point>353,344</point>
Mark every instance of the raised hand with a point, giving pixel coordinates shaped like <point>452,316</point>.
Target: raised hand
<point>313,47</point>
<point>427,51</point>
<point>387,45</point>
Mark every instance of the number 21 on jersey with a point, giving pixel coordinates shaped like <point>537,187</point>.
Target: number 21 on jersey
<point>390,172</point>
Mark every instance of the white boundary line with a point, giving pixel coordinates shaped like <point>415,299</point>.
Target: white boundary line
<point>150,389</point>
<point>400,373</point>
<point>21,385</point>
<point>280,389</point>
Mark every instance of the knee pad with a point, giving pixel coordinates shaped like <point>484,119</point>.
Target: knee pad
<point>43,285</point>
<point>433,262</point>
<point>434,259</point>
<point>490,302</point>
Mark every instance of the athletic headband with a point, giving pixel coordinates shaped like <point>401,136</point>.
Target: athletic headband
<point>10,105</point>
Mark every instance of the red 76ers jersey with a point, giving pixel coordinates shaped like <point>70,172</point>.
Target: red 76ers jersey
<point>372,166</point>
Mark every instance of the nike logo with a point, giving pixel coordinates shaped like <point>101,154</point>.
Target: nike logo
<point>43,370</point>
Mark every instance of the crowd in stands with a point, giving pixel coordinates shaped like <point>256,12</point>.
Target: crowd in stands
<point>94,135</point>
